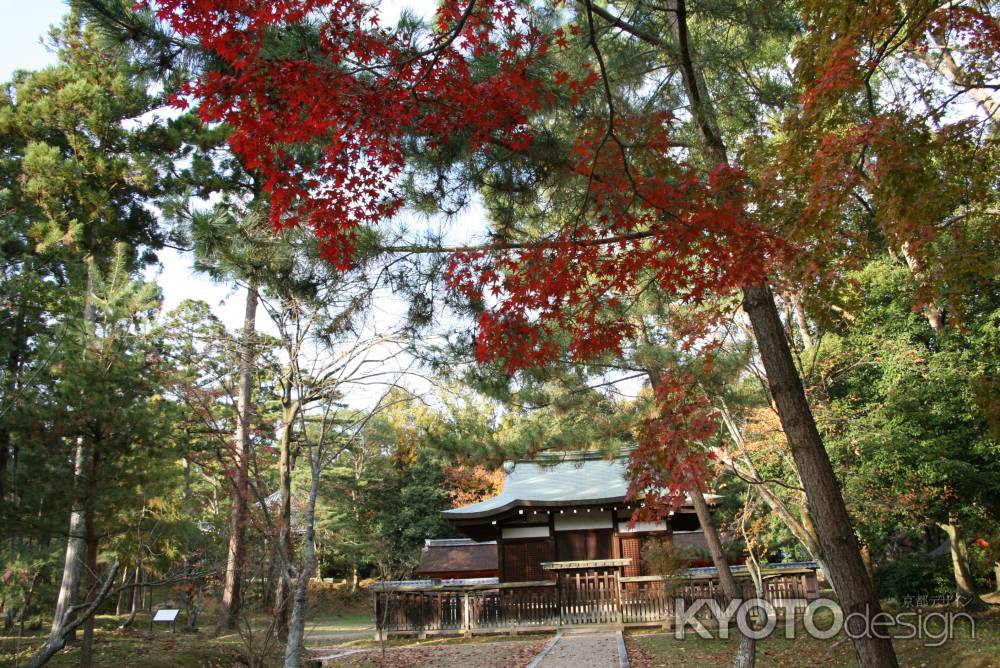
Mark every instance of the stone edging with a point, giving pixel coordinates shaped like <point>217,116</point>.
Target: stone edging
<point>545,650</point>
<point>622,652</point>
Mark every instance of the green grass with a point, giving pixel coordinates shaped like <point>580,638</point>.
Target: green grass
<point>342,622</point>
<point>135,648</point>
<point>164,648</point>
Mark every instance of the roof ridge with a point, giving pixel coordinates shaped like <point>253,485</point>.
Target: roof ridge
<point>559,456</point>
<point>452,542</point>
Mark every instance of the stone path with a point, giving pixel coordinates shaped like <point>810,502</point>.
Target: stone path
<point>590,649</point>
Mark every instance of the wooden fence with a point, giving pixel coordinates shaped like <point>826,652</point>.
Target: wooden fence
<point>572,599</point>
<point>490,607</point>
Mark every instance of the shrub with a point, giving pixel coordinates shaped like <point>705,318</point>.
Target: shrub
<point>914,575</point>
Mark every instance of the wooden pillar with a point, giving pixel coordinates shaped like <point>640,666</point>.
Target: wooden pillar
<point>559,586</point>
<point>618,595</point>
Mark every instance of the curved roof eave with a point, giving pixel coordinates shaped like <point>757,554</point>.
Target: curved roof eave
<point>465,513</point>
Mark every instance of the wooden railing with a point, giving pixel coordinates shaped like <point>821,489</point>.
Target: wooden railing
<point>573,599</point>
<point>492,607</point>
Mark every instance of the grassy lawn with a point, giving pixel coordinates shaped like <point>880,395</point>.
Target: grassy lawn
<point>163,648</point>
<point>338,623</point>
<point>135,648</point>
<point>651,650</point>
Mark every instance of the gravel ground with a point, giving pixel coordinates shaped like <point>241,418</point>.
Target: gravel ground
<point>508,654</point>
<point>584,650</point>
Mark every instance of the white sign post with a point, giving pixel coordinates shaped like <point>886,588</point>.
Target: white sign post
<point>165,615</point>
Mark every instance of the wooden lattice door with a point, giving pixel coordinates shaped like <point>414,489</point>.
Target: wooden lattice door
<point>632,549</point>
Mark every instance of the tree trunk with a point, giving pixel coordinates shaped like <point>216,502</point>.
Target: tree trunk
<point>285,549</point>
<point>960,564</point>
<point>4,455</point>
<point>297,621</point>
<point>136,594</point>
<point>823,497</point>
<point>236,552</point>
<point>75,542</point>
<point>866,559</point>
<point>795,298</point>
<point>67,625</point>
<point>26,605</point>
<point>18,347</point>
<point>746,652</point>
<point>804,531</point>
<point>192,590</point>
<point>934,314</point>
<point>87,647</point>
<point>75,549</point>
<point>945,65</point>
<point>120,604</point>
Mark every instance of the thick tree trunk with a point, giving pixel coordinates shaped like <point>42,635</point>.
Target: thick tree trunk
<point>746,652</point>
<point>960,564</point>
<point>823,497</point>
<point>236,553</point>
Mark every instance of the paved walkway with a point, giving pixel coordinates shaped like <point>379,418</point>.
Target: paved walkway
<point>574,649</point>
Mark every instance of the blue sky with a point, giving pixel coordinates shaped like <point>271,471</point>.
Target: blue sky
<point>21,30</point>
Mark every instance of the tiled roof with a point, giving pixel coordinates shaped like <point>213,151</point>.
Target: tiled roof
<point>573,479</point>
<point>457,556</point>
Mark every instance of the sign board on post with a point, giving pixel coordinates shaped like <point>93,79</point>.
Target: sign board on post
<point>165,615</point>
